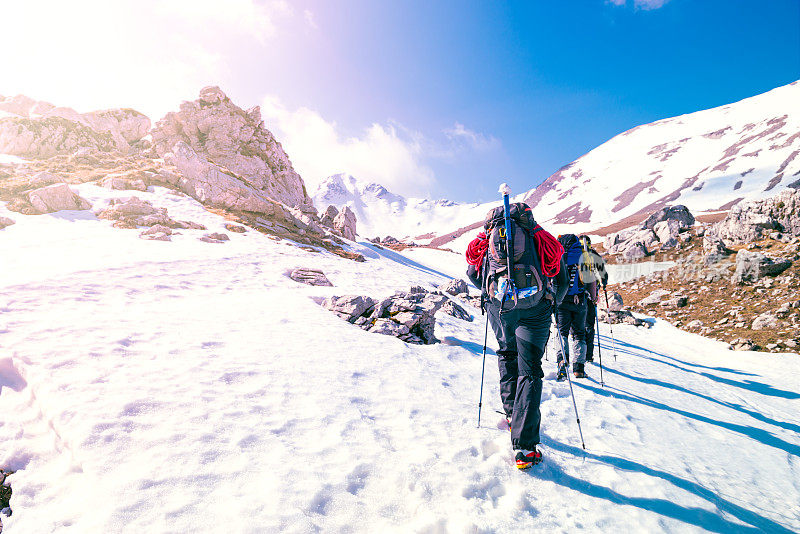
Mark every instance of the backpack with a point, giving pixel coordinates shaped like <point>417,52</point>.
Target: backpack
<point>572,258</point>
<point>531,284</point>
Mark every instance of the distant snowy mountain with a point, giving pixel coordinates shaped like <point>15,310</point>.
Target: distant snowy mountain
<point>381,212</point>
<point>709,160</point>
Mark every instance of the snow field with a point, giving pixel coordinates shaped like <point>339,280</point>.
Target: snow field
<point>169,387</point>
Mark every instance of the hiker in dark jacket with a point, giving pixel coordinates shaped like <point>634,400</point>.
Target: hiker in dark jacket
<point>593,274</point>
<point>521,334</point>
<point>571,314</point>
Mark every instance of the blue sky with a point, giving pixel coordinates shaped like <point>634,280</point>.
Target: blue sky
<point>436,98</point>
<point>548,80</point>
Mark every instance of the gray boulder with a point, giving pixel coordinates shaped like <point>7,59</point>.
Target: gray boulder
<point>675,302</point>
<point>765,321</point>
<point>157,232</point>
<point>312,277</point>
<point>453,309</point>
<point>714,249</point>
<point>388,327</point>
<point>654,297</point>
<point>614,302</point>
<point>742,344</point>
<point>215,237</point>
<point>668,229</point>
<point>5,222</point>
<point>351,306</point>
<point>751,266</point>
<point>56,198</point>
<point>635,252</point>
<point>680,214</point>
<point>455,286</point>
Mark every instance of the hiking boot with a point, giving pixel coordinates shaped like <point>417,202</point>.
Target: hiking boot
<point>562,372</point>
<point>526,458</point>
<point>578,371</point>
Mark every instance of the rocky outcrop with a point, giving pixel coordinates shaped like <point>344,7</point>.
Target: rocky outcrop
<point>215,237</point>
<point>227,156</point>
<point>614,302</point>
<point>407,315</point>
<point>157,232</point>
<point>328,216</point>
<point>756,220</point>
<point>312,277</point>
<point>40,130</point>
<point>751,266</point>
<point>455,287</point>
<point>133,212</point>
<point>235,228</point>
<point>5,222</point>
<point>345,223</point>
<point>714,249</point>
<point>664,228</point>
<point>741,343</point>
<point>56,198</point>
<point>679,214</point>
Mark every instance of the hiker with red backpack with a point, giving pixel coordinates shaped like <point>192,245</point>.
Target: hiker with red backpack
<point>571,314</point>
<point>519,309</point>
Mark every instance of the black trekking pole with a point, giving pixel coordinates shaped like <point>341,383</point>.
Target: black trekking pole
<point>610,328</point>
<point>574,405</point>
<point>483,367</point>
<point>599,350</point>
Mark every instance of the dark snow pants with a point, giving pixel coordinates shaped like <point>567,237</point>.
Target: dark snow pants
<point>591,318</point>
<point>521,336</point>
<point>572,316</point>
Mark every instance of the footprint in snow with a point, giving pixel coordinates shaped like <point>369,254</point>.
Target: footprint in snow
<point>357,479</point>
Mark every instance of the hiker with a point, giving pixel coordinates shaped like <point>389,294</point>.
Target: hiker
<point>593,273</point>
<point>521,325</point>
<point>571,314</point>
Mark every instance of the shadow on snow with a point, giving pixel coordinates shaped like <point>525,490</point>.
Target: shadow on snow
<point>692,515</point>
<point>756,434</point>
<point>749,385</point>
<point>738,407</point>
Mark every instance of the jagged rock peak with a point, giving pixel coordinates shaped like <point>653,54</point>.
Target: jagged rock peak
<point>227,136</point>
<point>30,128</point>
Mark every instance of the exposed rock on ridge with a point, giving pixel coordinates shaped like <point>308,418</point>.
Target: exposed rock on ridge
<point>233,159</point>
<point>40,130</point>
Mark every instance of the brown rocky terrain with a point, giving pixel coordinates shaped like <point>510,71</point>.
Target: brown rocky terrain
<point>744,291</point>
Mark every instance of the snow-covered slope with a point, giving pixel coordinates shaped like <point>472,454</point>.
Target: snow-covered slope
<point>183,386</point>
<point>707,160</point>
<point>381,212</point>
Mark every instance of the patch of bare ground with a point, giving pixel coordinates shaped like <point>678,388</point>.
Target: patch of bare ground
<point>716,307</point>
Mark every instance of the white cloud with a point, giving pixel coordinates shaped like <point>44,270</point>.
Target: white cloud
<point>145,54</point>
<point>310,19</point>
<point>649,4</point>
<point>645,5</point>
<point>464,137</point>
<point>383,153</point>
